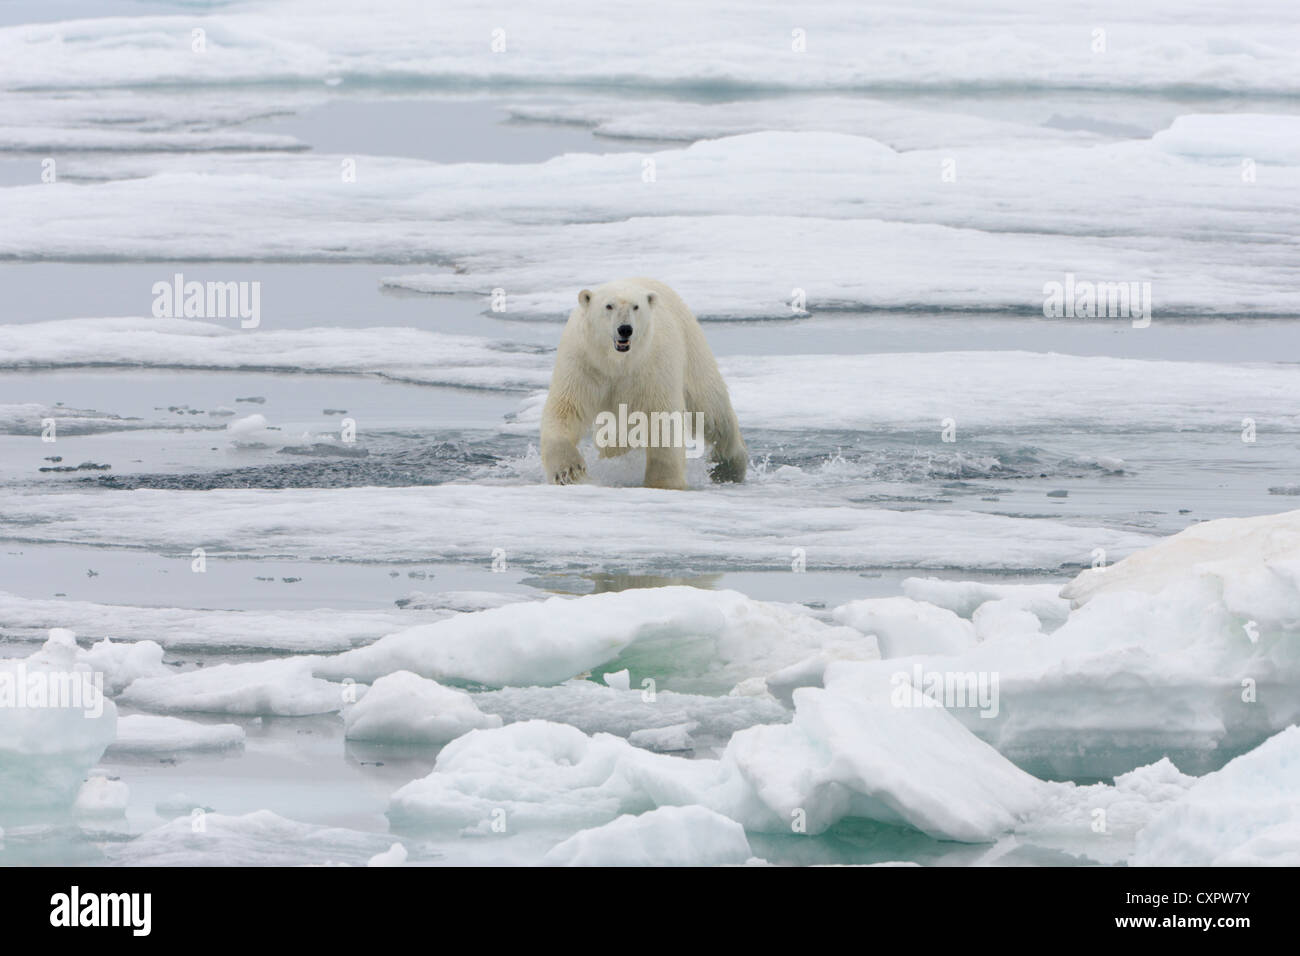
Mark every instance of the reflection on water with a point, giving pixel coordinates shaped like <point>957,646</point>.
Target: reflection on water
<point>601,582</point>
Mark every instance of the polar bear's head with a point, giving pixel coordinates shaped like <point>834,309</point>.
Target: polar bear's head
<point>621,314</point>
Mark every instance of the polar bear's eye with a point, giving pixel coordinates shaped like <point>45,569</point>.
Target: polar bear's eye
<point>609,305</point>
<point>635,307</point>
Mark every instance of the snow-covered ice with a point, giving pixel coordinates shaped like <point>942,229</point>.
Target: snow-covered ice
<point>101,796</point>
<point>657,720</point>
<point>402,707</point>
<point>139,734</point>
<point>840,757</point>
<point>133,629</point>
<point>749,527</point>
<point>681,638</point>
<point>668,836</point>
<point>282,687</point>
<point>892,190</point>
<point>411,355</point>
<point>1188,649</point>
<point>903,626</point>
<point>732,44</point>
<point>1243,815</point>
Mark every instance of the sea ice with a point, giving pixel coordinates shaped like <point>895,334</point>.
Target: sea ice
<point>668,836</point>
<point>283,687</point>
<point>152,734</point>
<point>1245,814</point>
<point>402,707</point>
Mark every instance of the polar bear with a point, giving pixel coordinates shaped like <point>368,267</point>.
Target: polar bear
<point>632,346</point>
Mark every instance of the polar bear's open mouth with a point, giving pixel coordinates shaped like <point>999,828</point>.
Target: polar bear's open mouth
<point>622,345</point>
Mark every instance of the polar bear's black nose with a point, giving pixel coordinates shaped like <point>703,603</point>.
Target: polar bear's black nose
<point>625,331</point>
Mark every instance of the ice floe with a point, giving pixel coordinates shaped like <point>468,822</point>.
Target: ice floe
<point>55,723</point>
<point>981,241</point>
<point>729,46</point>
<point>661,720</point>
<point>410,355</point>
<point>149,734</point>
<point>283,687</point>
<point>681,638</point>
<point>1020,391</point>
<point>101,796</point>
<point>668,836</point>
<point>1189,650</point>
<point>402,707</point>
<point>839,757</point>
<point>1245,814</point>
<point>903,626</point>
<point>174,628</point>
<point>549,526</point>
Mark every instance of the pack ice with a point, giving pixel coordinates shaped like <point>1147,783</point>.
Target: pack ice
<point>1155,657</point>
<point>54,724</point>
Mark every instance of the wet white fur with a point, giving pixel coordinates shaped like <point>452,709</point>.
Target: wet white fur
<point>668,368</point>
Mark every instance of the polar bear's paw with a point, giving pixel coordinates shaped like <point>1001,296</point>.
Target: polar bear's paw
<point>569,475</point>
<point>729,469</point>
<point>565,467</point>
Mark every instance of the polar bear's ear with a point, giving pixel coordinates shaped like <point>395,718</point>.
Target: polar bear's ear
<point>649,298</point>
<point>584,298</point>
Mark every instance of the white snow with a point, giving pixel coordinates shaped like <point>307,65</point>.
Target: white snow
<point>1020,154</point>
<point>403,707</point>
<point>937,44</point>
<point>745,527</point>
<point>1023,391</point>
<point>408,355</point>
<point>842,756</point>
<point>1252,560</point>
<point>682,638</point>
<point>151,734</point>
<point>966,597</point>
<point>1013,220</point>
<point>288,630</point>
<point>860,754</point>
<point>101,796</point>
<point>904,626</point>
<point>1232,136</point>
<point>972,257</point>
<point>122,663</point>
<point>540,775</point>
<point>1187,650</point>
<point>675,738</point>
<point>283,687</point>
<point>668,836</point>
<point>109,121</point>
<point>662,720</point>
<point>1246,814</point>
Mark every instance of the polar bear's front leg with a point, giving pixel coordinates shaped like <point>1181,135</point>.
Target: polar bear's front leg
<point>666,468</point>
<point>562,426</point>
